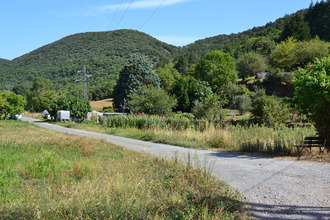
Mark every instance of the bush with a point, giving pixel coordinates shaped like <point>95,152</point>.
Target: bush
<point>269,110</point>
<point>312,95</point>
<point>10,103</point>
<point>242,103</point>
<point>151,100</point>
<point>78,107</point>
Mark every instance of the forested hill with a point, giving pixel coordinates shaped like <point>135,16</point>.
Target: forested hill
<point>316,17</point>
<point>3,61</point>
<point>103,53</point>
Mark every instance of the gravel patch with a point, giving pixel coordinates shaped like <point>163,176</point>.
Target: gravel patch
<point>274,189</point>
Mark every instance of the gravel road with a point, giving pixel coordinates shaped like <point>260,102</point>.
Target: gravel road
<point>274,189</point>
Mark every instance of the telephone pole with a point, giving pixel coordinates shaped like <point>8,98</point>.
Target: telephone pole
<point>85,81</point>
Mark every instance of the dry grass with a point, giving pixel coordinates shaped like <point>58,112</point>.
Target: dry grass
<point>50,175</point>
<point>99,105</point>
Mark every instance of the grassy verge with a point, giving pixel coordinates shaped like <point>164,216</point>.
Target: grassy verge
<point>49,175</point>
<point>253,139</point>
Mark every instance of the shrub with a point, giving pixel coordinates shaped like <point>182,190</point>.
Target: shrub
<point>269,110</point>
<point>312,95</point>
<point>151,100</point>
<point>242,103</point>
<point>78,107</point>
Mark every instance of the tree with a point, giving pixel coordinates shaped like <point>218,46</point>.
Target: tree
<point>187,89</point>
<point>210,108</point>
<point>218,69</point>
<point>269,110</point>
<point>168,75</point>
<point>152,101</point>
<point>242,103</point>
<point>318,18</point>
<point>283,55</point>
<point>312,94</point>
<point>296,27</point>
<point>11,103</point>
<point>250,64</point>
<point>40,94</point>
<point>132,77</point>
<point>78,107</point>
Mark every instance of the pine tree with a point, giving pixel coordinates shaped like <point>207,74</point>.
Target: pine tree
<point>132,77</point>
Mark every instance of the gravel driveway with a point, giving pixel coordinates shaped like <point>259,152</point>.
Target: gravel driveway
<point>274,189</point>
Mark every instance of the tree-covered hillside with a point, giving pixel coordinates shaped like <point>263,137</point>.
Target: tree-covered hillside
<point>3,61</point>
<point>103,53</point>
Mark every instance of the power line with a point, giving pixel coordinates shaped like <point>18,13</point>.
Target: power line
<point>124,13</point>
<point>113,18</point>
<point>161,4</point>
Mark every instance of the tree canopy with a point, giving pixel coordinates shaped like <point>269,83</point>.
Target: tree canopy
<point>11,103</point>
<point>312,94</point>
<point>132,77</point>
<point>217,68</point>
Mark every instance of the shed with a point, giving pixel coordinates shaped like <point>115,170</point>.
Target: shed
<point>63,115</point>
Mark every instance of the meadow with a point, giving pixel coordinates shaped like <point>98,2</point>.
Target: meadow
<point>49,175</point>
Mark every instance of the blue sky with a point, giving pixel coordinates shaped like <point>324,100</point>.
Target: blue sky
<point>29,24</point>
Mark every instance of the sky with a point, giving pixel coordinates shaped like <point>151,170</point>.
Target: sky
<point>27,25</point>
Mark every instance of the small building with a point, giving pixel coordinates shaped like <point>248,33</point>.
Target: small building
<point>63,115</point>
<point>261,75</point>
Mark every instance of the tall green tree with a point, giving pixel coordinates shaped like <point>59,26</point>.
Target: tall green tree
<point>132,77</point>
<point>318,17</point>
<point>250,64</point>
<point>283,55</point>
<point>218,69</point>
<point>312,95</point>
<point>295,26</point>
<point>40,94</point>
<point>187,89</point>
<point>152,101</point>
<point>11,103</point>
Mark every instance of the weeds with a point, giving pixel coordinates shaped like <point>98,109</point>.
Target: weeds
<point>49,175</point>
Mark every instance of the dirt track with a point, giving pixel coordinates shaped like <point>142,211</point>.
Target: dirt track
<point>274,189</point>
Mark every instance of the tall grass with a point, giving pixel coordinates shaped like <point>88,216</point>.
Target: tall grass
<point>48,175</point>
<point>204,134</point>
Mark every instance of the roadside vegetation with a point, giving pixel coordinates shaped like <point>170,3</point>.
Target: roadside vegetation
<point>48,175</point>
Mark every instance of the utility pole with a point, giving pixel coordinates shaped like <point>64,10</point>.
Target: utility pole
<point>85,81</point>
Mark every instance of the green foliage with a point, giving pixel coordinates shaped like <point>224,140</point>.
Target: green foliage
<point>283,55</point>
<point>291,54</point>
<point>152,101</point>
<point>318,18</point>
<point>187,89</point>
<point>211,108</point>
<point>250,64</point>
<point>312,94</point>
<point>242,103</point>
<point>295,26</point>
<point>40,94</point>
<point>218,69</point>
<point>186,63</point>
<point>269,110</point>
<point>78,107</point>
<point>168,75</point>
<point>132,77</point>
<point>11,103</point>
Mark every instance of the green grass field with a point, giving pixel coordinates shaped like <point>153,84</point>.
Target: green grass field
<point>49,175</point>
